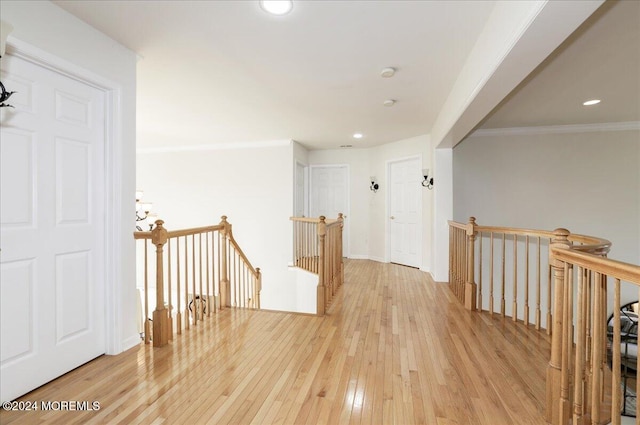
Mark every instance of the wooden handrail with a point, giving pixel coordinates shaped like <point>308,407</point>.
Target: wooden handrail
<point>318,249</point>
<point>328,221</point>
<point>606,266</point>
<point>587,242</point>
<point>209,269</point>
<point>178,233</point>
<point>577,279</point>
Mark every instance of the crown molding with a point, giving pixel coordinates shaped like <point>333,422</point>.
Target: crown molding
<point>216,147</point>
<point>557,129</point>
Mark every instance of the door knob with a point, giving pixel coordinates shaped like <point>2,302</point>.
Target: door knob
<point>392,218</point>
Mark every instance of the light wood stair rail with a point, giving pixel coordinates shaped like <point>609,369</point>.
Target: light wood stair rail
<point>317,248</point>
<point>571,280</point>
<point>201,269</point>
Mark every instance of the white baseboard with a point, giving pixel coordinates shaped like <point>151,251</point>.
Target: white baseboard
<point>130,342</point>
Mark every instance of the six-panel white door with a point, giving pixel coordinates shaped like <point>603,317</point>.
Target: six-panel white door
<point>52,226</point>
<point>330,196</point>
<point>405,198</point>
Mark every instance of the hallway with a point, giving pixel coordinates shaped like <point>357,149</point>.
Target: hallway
<point>394,347</point>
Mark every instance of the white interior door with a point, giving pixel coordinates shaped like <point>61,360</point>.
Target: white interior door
<point>52,226</point>
<point>405,211</point>
<point>330,196</point>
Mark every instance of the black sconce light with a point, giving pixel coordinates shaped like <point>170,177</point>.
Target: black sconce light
<point>374,186</point>
<point>427,181</point>
<point>5,29</point>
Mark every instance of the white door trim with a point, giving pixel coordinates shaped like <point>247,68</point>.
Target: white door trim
<point>113,225</point>
<point>305,201</point>
<point>345,236</point>
<point>387,228</point>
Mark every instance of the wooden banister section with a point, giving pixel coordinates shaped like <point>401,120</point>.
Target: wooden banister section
<point>318,249</point>
<point>583,384</point>
<point>202,269</point>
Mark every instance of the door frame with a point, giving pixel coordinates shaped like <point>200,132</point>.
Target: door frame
<point>113,181</point>
<point>387,227</point>
<point>345,235</point>
<point>305,196</point>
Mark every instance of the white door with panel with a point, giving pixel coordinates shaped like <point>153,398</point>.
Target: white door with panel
<point>330,196</point>
<point>52,226</point>
<point>405,211</point>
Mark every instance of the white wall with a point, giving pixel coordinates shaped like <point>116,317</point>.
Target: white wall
<point>54,31</point>
<point>368,210</point>
<point>253,187</point>
<point>586,182</point>
<point>442,212</point>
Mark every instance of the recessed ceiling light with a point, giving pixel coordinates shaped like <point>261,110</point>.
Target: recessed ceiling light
<point>357,135</point>
<point>591,102</point>
<point>277,7</point>
<point>389,102</point>
<point>388,72</point>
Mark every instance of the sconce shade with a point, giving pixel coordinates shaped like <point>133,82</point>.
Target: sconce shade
<point>374,186</point>
<point>427,181</point>
<point>5,29</point>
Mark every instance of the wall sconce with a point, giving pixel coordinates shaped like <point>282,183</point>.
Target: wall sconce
<point>374,186</point>
<point>428,181</point>
<point>143,211</point>
<point>5,29</point>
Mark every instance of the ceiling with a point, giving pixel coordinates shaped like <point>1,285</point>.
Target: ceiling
<point>600,60</point>
<point>226,72</point>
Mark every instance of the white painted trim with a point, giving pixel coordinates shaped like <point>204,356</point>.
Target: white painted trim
<point>305,177</point>
<point>387,228</point>
<point>113,224</point>
<point>359,257</point>
<point>557,129</point>
<point>216,147</point>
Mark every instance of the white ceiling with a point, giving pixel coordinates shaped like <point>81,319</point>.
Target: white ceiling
<point>600,60</point>
<point>225,71</point>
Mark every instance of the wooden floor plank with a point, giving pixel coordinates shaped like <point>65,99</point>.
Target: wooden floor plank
<point>394,347</point>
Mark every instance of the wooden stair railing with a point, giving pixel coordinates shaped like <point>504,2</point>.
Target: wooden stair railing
<point>318,249</point>
<point>576,277</point>
<point>203,269</point>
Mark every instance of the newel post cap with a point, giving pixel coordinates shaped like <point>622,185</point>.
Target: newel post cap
<point>322,226</point>
<point>159,233</point>
<point>471,231</point>
<point>561,236</point>
<point>560,240</point>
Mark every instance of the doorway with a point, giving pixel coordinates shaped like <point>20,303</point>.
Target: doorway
<point>405,212</point>
<point>53,226</point>
<point>329,196</point>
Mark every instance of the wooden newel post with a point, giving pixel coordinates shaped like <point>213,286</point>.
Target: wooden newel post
<point>322,232</point>
<point>225,287</point>
<point>340,245</point>
<point>258,286</point>
<point>470,285</point>
<point>557,409</point>
<point>161,321</point>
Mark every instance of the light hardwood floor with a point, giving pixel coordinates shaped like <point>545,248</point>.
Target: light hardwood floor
<point>394,347</point>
